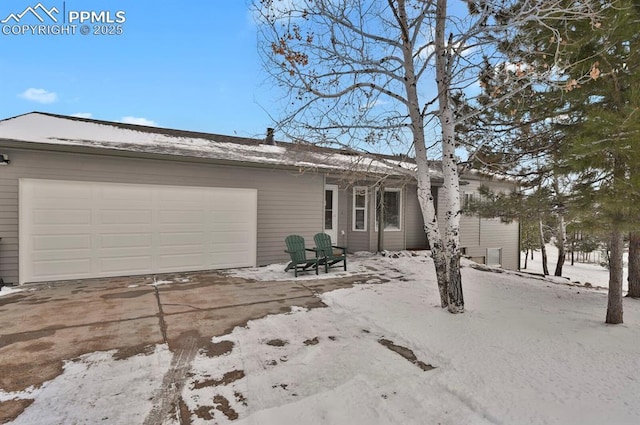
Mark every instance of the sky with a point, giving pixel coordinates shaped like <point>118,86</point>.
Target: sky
<point>191,65</point>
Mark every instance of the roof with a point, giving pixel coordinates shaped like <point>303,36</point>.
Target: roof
<point>38,130</point>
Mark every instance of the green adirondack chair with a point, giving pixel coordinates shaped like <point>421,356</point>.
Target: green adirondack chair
<point>297,251</point>
<point>329,254</point>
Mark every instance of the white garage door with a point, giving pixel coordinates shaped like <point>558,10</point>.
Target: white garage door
<point>72,230</point>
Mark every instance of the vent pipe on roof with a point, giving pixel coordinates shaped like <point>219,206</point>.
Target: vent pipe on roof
<point>269,139</point>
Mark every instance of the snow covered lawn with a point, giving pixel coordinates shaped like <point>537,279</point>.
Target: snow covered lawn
<point>526,351</point>
<point>591,273</point>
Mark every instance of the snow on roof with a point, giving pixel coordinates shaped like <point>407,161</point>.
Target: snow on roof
<point>60,130</point>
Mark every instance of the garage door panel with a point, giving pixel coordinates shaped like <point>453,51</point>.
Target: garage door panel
<point>123,252</point>
<point>228,259</point>
<point>226,238</point>
<point>65,241</point>
<point>180,196</point>
<point>60,254</point>
<point>182,250</point>
<point>125,265</point>
<point>224,217</point>
<point>61,230</point>
<point>61,216</point>
<point>126,240</point>
<point>130,193</point>
<point>84,229</point>
<point>181,238</point>
<point>126,216</point>
<point>49,270</point>
<point>177,261</point>
<point>181,216</point>
<point>67,191</point>
<point>236,248</point>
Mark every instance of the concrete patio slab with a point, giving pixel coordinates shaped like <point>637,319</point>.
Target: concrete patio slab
<point>48,324</point>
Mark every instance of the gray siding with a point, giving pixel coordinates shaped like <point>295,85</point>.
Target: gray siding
<point>477,235</point>
<point>287,203</point>
<point>368,240</point>
<point>414,224</point>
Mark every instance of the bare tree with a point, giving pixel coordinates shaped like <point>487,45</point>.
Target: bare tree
<point>390,74</point>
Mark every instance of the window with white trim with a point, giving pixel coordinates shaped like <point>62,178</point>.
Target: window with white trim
<point>392,204</point>
<point>467,199</point>
<point>360,203</point>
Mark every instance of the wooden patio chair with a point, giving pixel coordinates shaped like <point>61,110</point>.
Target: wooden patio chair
<point>329,254</point>
<point>298,253</point>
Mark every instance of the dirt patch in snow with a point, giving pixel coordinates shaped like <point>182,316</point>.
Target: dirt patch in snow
<point>227,378</point>
<point>406,353</point>
<point>277,343</point>
<point>224,406</point>
<point>126,352</point>
<point>11,409</point>
<point>217,349</point>
<point>312,341</point>
<point>185,414</point>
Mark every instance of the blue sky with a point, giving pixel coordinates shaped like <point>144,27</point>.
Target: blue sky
<point>190,65</point>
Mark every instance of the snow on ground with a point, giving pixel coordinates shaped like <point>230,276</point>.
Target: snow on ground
<point>275,272</point>
<point>7,290</point>
<point>95,388</point>
<point>526,351</point>
<point>592,273</point>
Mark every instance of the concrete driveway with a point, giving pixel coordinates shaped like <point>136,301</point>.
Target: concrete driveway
<point>47,324</point>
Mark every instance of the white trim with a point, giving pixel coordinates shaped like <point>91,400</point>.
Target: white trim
<point>400,209</point>
<point>334,212</point>
<point>357,189</point>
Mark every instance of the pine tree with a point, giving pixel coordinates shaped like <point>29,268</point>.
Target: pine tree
<point>606,133</point>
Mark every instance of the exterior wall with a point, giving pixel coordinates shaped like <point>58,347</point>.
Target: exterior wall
<point>479,234</point>
<point>287,203</point>
<point>354,240</point>
<point>414,224</point>
<point>393,239</point>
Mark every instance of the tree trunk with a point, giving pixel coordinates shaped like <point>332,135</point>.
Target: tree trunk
<point>423,176</point>
<point>561,243</point>
<point>573,249</point>
<point>451,184</point>
<point>634,265</point>
<point>614,304</point>
<point>543,249</point>
<point>526,258</point>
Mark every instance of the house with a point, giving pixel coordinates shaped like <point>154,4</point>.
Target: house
<point>82,198</point>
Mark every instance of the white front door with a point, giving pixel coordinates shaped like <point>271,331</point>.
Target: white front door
<point>331,212</point>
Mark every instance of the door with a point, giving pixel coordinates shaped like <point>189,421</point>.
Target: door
<point>331,211</point>
<point>75,230</point>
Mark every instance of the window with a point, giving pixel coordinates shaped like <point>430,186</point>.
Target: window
<point>392,205</point>
<point>494,257</point>
<point>328,209</point>
<point>467,199</point>
<point>359,208</point>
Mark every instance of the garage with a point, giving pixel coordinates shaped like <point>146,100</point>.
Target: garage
<point>76,229</point>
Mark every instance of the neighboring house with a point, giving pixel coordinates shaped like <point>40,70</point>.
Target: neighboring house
<point>81,198</point>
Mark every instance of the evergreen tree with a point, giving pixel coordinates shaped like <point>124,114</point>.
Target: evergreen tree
<point>605,135</point>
